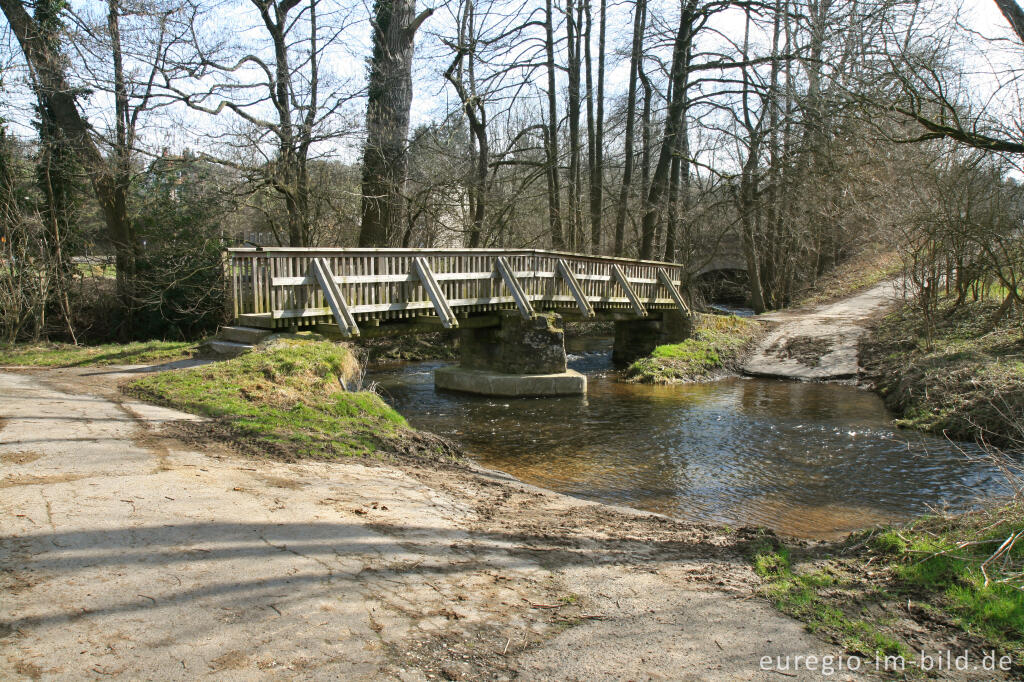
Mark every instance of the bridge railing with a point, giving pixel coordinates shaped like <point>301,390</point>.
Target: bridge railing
<point>277,287</point>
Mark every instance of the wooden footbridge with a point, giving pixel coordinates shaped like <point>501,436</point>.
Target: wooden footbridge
<point>369,292</point>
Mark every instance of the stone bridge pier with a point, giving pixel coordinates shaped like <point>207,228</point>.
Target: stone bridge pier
<point>517,357</point>
<point>638,337</point>
<point>526,357</point>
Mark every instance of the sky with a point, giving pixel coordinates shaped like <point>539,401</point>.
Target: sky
<point>432,96</point>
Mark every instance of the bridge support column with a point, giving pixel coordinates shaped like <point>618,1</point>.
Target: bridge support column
<point>635,339</point>
<point>517,358</point>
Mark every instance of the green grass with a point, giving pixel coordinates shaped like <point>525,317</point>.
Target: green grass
<point>798,594</point>
<point>67,355</point>
<point>717,341</point>
<point>957,375</point>
<point>860,593</point>
<point>943,558</point>
<point>287,397</point>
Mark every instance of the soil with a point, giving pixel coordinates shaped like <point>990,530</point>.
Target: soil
<point>415,348</point>
<point>128,553</point>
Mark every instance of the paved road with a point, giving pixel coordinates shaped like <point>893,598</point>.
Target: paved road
<point>125,554</point>
<point>818,344</point>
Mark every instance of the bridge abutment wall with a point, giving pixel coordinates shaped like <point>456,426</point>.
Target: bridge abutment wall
<point>635,339</point>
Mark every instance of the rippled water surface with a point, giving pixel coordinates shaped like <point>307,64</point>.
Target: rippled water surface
<point>812,460</point>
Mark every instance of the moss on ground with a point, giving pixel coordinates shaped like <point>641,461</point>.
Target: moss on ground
<point>877,592</point>
<point>958,375</point>
<point>67,355</point>
<point>288,399</point>
<point>717,343</point>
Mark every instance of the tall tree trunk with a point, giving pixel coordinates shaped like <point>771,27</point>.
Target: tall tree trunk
<point>389,99</point>
<point>748,222</point>
<point>573,15</point>
<point>639,28</point>
<point>551,134</point>
<point>56,94</point>
<point>1014,14</point>
<point>679,76</point>
<point>595,127</point>
<point>646,131</point>
<point>458,74</point>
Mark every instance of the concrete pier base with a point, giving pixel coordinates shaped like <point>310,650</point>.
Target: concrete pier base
<point>485,382</point>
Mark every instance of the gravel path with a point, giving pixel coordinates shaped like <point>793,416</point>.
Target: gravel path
<point>818,344</point>
<point>126,554</point>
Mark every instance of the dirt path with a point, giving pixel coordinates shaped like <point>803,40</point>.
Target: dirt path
<point>818,344</point>
<point>126,554</point>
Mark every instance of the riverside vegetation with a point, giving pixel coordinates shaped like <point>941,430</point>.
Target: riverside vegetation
<point>717,344</point>
<point>68,355</point>
<point>958,371</point>
<point>289,398</point>
<point>902,590</point>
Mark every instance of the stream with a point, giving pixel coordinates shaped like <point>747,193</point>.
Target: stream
<point>813,460</point>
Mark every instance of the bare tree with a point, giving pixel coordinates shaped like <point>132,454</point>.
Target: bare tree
<point>389,99</point>
<point>635,55</point>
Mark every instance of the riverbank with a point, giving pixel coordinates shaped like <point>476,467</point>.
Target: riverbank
<point>68,355</point>
<point>443,568</point>
<point>941,583</point>
<point>715,350</point>
<point>957,374</point>
<point>129,553</point>
<point>292,398</point>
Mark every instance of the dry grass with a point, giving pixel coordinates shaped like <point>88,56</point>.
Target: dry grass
<point>957,376</point>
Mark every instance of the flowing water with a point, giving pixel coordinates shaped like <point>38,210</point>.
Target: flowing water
<point>807,459</point>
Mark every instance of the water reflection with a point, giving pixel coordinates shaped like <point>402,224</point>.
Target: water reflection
<point>813,460</point>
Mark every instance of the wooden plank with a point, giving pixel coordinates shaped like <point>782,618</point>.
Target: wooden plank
<point>334,297</point>
<point>630,294</point>
<point>292,281</point>
<point>508,274</point>
<point>434,292</point>
<point>574,288</point>
<point>666,282</point>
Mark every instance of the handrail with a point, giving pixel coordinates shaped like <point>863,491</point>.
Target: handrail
<point>288,286</point>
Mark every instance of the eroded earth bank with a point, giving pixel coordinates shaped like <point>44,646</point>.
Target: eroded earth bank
<point>127,553</point>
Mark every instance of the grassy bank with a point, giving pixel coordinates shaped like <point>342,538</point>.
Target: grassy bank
<point>717,343</point>
<point>851,277</point>
<point>288,399</point>
<point>898,591</point>
<point>66,355</point>
<point>959,375</point>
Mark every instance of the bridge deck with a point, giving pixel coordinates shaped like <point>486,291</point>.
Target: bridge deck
<point>283,287</point>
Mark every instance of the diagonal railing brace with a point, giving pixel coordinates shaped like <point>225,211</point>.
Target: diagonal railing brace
<point>574,286</point>
<point>509,275</point>
<point>630,294</point>
<point>342,315</point>
<point>434,292</point>
<point>666,281</point>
